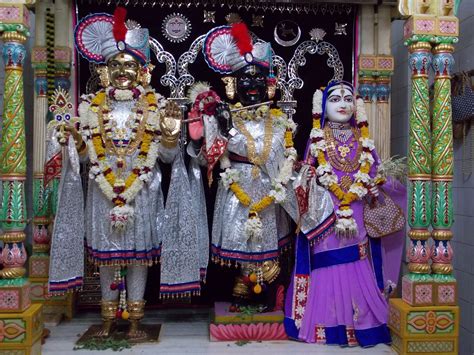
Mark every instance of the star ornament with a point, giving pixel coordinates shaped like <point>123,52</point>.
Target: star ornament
<point>209,16</point>
<point>233,18</point>
<point>257,20</point>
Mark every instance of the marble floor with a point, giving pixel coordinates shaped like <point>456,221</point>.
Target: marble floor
<point>186,332</point>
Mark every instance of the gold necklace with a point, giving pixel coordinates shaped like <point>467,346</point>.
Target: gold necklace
<point>342,163</point>
<point>129,149</point>
<point>256,159</point>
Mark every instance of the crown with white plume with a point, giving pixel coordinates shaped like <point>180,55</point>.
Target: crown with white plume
<point>197,89</point>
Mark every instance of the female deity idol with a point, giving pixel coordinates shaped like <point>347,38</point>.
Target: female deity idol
<point>122,130</point>
<point>254,145</point>
<point>342,275</point>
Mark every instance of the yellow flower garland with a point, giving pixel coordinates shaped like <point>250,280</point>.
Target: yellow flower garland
<point>98,100</point>
<point>245,199</point>
<point>99,144</point>
<point>289,139</point>
<point>241,195</point>
<point>266,200</point>
<point>150,98</point>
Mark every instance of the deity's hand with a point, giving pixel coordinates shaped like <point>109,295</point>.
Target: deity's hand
<point>195,126</point>
<point>374,191</point>
<point>170,124</point>
<point>224,118</point>
<point>65,130</point>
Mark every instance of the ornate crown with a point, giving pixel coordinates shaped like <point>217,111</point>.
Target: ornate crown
<point>98,37</point>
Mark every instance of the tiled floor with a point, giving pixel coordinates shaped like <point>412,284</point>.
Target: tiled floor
<point>186,332</point>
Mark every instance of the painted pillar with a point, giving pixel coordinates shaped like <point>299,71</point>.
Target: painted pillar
<point>13,154</point>
<point>442,172</point>
<point>375,68</point>
<point>367,60</point>
<point>426,319</point>
<point>39,260</point>
<point>419,169</point>
<point>382,128</point>
<point>17,315</point>
<point>62,48</point>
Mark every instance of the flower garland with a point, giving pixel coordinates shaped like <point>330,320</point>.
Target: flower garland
<point>231,177</point>
<point>124,94</point>
<point>346,226</point>
<point>121,190</point>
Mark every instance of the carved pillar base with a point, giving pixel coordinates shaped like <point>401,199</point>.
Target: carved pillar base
<point>424,330</point>
<point>21,332</point>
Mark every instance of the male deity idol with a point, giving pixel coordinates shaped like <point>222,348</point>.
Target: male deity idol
<point>254,145</point>
<point>346,266</point>
<point>122,131</point>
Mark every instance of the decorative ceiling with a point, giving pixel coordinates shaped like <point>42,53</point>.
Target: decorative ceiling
<point>277,5</point>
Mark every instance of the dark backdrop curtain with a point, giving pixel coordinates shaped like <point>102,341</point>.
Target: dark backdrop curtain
<point>315,74</point>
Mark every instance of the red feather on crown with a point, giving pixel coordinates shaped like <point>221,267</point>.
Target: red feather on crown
<point>241,34</point>
<point>119,29</point>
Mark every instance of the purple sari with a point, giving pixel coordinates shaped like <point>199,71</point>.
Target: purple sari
<point>337,292</point>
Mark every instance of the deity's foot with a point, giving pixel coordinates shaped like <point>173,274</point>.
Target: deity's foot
<point>106,330</point>
<point>135,332</point>
<point>108,310</point>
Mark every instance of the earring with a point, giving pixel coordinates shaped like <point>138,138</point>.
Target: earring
<point>144,75</point>
<point>230,83</point>
<point>271,87</point>
<point>103,76</point>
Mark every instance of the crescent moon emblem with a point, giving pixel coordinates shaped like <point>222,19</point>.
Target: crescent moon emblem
<point>284,43</point>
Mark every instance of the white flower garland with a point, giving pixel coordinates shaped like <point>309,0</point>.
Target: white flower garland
<point>254,229</point>
<point>123,94</point>
<point>229,176</point>
<point>120,216</point>
<point>325,172</point>
<point>253,226</point>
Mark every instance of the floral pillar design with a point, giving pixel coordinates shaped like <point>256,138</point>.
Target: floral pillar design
<point>15,304</point>
<point>419,164</point>
<point>426,319</point>
<point>442,161</point>
<point>13,154</point>
<point>16,310</point>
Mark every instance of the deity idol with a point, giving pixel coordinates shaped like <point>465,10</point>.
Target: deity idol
<point>122,130</point>
<point>345,267</point>
<point>254,146</point>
